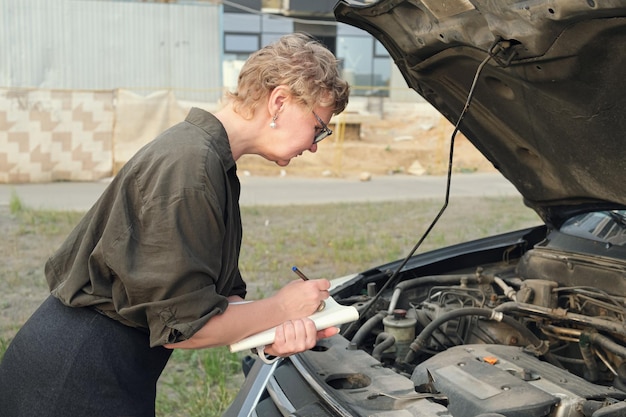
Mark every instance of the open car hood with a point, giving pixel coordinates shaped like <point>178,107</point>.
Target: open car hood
<point>549,108</point>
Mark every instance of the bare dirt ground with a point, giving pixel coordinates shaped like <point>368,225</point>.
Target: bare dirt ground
<point>402,138</point>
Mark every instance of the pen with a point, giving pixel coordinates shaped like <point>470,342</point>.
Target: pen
<point>299,273</point>
<point>305,278</point>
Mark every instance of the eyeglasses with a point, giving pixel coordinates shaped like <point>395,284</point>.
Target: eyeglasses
<point>325,131</point>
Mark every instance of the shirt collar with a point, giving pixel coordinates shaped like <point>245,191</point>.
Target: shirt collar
<point>214,128</point>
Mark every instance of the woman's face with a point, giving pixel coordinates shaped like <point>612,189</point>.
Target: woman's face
<point>296,129</point>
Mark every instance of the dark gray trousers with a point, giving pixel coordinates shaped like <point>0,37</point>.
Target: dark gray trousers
<point>68,362</point>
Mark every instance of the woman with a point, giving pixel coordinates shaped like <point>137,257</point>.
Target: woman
<point>153,266</point>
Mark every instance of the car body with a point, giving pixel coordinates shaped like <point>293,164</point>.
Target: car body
<point>526,323</point>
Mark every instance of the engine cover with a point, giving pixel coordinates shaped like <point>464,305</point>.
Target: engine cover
<point>481,379</point>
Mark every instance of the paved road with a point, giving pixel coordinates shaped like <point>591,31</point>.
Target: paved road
<point>282,190</point>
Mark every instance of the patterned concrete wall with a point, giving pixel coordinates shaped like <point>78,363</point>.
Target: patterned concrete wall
<point>48,135</point>
<point>139,119</point>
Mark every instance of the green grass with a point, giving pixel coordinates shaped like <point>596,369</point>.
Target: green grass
<point>198,383</point>
<point>15,204</point>
<point>323,240</point>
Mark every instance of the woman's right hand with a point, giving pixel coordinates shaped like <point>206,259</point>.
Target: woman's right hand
<point>301,298</point>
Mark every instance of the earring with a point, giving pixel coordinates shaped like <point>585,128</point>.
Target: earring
<point>273,122</point>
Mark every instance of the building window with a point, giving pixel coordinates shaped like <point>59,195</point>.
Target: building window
<point>240,43</point>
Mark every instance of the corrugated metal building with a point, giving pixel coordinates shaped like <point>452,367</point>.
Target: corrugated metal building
<point>104,45</point>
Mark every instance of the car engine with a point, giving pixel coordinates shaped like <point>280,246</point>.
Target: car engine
<point>539,335</point>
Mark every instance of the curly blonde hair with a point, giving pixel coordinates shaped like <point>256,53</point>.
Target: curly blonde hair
<point>298,61</point>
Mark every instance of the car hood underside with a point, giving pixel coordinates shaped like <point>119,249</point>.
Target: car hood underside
<point>548,107</point>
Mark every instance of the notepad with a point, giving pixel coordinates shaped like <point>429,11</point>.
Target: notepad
<point>333,314</point>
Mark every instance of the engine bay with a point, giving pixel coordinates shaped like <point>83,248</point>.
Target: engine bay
<point>535,332</point>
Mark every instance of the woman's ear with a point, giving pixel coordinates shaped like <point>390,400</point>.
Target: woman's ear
<point>277,99</point>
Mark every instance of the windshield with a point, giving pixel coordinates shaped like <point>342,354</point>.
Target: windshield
<point>602,226</point>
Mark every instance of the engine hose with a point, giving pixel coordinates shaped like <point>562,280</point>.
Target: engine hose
<point>425,280</point>
<point>366,329</point>
<point>606,343</point>
<point>560,314</point>
<point>539,347</point>
<point>383,342</point>
<point>591,366</point>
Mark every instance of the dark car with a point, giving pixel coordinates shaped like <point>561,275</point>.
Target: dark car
<point>529,323</point>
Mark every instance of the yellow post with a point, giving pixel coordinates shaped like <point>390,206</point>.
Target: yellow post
<point>340,127</point>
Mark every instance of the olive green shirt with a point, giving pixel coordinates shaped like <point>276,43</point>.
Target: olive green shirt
<point>159,250</point>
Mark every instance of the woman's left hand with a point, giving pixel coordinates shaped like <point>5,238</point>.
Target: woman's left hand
<point>295,336</point>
